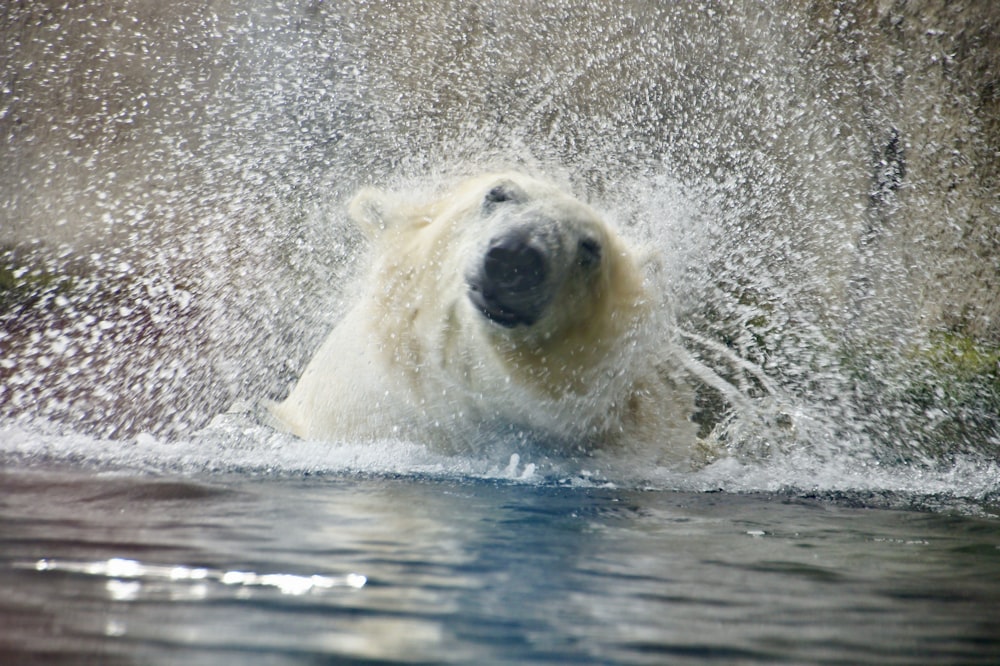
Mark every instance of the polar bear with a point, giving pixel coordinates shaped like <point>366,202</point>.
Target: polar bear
<point>502,307</point>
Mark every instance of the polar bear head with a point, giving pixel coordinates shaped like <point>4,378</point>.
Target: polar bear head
<point>542,257</point>
<point>511,259</point>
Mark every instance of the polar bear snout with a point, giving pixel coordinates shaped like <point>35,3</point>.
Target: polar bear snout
<point>510,284</point>
<point>515,267</point>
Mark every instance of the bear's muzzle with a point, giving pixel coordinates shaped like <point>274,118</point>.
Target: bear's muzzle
<point>509,286</point>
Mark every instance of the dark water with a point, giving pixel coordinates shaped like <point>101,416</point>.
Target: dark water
<point>130,568</point>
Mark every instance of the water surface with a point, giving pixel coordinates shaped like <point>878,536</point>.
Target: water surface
<point>122,567</point>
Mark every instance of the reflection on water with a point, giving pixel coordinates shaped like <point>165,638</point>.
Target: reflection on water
<point>127,578</point>
<point>228,569</point>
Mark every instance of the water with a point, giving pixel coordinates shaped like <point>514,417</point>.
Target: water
<point>820,182</point>
<point>116,568</point>
<point>247,546</point>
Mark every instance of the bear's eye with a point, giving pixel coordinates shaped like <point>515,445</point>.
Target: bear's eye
<point>498,194</point>
<point>502,192</point>
<point>590,252</point>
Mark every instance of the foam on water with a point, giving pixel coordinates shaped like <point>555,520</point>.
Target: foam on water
<point>967,483</point>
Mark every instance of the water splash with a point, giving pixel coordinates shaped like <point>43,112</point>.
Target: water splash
<point>821,182</point>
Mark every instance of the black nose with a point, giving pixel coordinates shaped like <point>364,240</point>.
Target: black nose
<point>510,288</point>
<point>514,266</point>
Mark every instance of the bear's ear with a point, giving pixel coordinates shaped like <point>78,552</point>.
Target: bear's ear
<point>371,209</point>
